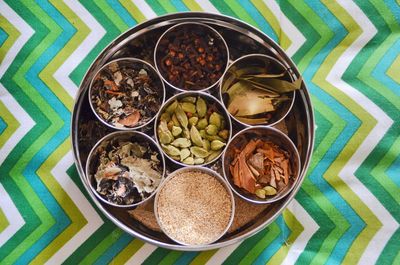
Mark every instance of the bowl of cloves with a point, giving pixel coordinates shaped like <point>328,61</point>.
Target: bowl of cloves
<point>191,56</point>
<point>261,164</point>
<point>125,169</point>
<point>258,89</point>
<point>126,94</point>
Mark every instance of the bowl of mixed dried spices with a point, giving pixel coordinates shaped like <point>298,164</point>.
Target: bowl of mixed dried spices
<point>126,94</point>
<point>194,206</point>
<point>258,89</point>
<point>193,128</point>
<point>261,164</point>
<point>125,168</point>
<point>191,56</point>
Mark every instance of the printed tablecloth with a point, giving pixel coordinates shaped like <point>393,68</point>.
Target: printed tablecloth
<point>347,210</point>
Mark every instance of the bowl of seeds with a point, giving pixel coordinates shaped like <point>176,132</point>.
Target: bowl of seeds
<point>193,128</point>
<point>191,56</point>
<point>125,168</point>
<point>126,94</point>
<point>194,206</point>
<point>257,89</point>
<point>261,164</point>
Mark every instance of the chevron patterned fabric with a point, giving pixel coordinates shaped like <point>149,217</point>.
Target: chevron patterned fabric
<point>348,208</point>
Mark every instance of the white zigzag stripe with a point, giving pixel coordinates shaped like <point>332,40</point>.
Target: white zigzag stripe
<point>26,123</point>
<point>142,254</point>
<point>11,212</point>
<point>390,225</point>
<point>94,220</point>
<point>222,254</point>
<point>96,33</point>
<point>287,26</point>
<point>144,8</point>
<point>207,6</point>
<point>310,227</point>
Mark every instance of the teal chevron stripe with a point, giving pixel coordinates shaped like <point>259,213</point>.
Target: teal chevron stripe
<point>122,12</point>
<point>3,37</point>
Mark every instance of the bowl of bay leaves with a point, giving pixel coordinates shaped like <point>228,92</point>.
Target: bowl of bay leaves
<point>257,89</point>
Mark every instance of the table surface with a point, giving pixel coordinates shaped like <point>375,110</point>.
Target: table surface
<point>347,209</point>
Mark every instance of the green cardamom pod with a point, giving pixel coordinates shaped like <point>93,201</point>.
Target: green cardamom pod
<point>213,155</point>
<point>196,137</point>
<point>171,150</point>
<point>188,107</point>
<point>215,119</point>
<point>211,129</point>
<point>182,143</point>
<point>165,117</point>
<point>202,123</point>
<point>164,135</point>
<point>214,137</point>
<point>269,190</point>
<point>184,153</point>
<point>171,108</point>
<point>216,145</point>
<point>189,99</point>
<point>198,160</point>
<point>207,145</point>
<point>199,151</point>
<point>193,121</point>
<point>189,161</point>
<point>181,116</point>
<point>176,131</point>
<point>175,120</point>
<point>201,107</point>
<point>203,133</point>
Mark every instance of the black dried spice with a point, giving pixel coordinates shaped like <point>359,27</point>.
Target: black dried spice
<point>192,57</point>
<point>125,96</point>
<point>127,172</point>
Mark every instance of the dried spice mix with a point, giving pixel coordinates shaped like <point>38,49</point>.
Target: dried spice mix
<point>127,172</point>
<point>261,168</point>
<point>126,94</point>
<point>192,131</point>
<point>191,56</point>
<point>194,208</point>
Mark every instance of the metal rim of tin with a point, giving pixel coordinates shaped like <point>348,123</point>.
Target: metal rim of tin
<point>198,24</point>
<point>244,57</point>
<point>168,20</point>
<point>292,150</point>
<point>208,172</point>
<point>115,135</point>
<point>185,94</point>
<point>134,61</point>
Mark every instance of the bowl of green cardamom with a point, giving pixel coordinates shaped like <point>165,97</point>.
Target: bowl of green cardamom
<point>193,128</point>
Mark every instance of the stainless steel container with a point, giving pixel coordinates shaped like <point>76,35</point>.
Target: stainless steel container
<point>139,42</point>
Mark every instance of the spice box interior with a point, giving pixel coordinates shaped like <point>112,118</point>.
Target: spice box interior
<point>139,42</point>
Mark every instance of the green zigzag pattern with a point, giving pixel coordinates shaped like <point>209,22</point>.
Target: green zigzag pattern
<point>329,30</point>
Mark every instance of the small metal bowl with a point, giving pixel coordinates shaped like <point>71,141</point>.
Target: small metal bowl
<point>191,25</point>
<point>275,67</point>
<point>208,172</point>
<point>269,134</point>
<point>136,64</point>
<point>129,136</point>
<point>209,99</point>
